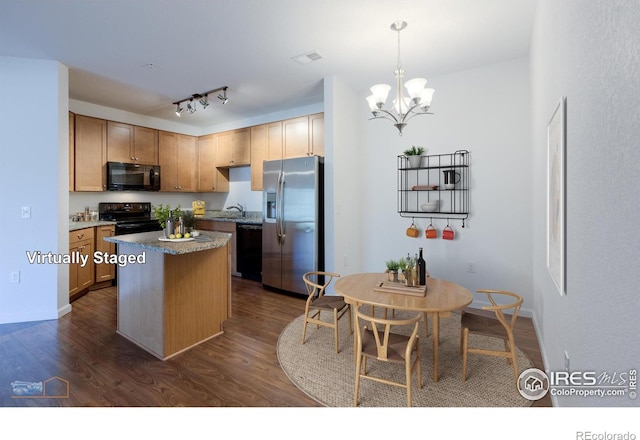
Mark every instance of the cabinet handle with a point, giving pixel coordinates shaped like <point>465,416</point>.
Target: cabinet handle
<point>80,236</point>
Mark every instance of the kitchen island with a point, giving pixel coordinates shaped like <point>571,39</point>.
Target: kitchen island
<point>172,295</point>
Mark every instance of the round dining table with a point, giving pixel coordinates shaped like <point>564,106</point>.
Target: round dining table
<point>441,299</point>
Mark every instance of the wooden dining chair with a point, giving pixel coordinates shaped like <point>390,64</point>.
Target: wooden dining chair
<point>374,339</point>
<point>500,325</point>
<point>316,283</point>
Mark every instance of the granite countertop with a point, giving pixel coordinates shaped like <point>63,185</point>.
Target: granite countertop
<point>149,241</point>
<point>74,226</point>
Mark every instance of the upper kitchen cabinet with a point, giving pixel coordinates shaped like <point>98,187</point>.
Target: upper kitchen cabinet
<point>72,146</point>
<point>177,156</point>
<point>316,134</point>
<point>266,144</point>
<point>90,153</point>
<point>210,178</point>
<point>303,136</point>
<point>131,144</point>
<point>234,148</point>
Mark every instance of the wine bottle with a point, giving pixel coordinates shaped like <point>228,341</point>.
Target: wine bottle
<point>422,270</point>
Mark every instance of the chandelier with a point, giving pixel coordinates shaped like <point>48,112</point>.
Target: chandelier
<point>404,107</point>
<point>202,98</point>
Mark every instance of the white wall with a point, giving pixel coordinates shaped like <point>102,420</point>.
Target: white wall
<point>34,173</point>
<point>590,53</point>
<point>344,152</point>
<point>485,111</point>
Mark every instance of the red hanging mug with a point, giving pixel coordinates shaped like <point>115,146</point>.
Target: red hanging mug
<point>447,233</point>
<point>431,232</point>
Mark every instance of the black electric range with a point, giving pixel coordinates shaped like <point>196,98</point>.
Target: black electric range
<point>130,218</point>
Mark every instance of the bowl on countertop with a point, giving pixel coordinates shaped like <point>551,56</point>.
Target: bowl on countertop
<point>430,206</point>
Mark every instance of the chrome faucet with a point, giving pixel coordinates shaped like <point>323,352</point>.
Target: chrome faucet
<point>239,207</point>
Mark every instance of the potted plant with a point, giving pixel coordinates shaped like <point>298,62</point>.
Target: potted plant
<point>414,156</point>
<point>166,217</point>
<point>392,269</point>
<point>402,267</point>
<point>188,220</point>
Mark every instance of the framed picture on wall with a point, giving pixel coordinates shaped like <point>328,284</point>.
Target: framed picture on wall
<point>556,192</point>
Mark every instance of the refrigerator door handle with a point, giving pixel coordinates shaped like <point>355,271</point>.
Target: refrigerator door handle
<point>281,232</point>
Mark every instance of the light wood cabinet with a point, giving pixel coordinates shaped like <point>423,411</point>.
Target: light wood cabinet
<point>210,178</point>
<point>177,157</point>
<point>303,136</point>
<point>316,134</point>
<point>72,151</point>
<point>295,135</point>
<point>131,144</point>
<point>266,144</point>
<point>81,243</point>
<point>105,271</point>
<point>90,153</point>
<point>229,227</point>
<point>234,148</point>
<point>145,143</point>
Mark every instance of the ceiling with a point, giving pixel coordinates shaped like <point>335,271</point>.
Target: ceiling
<point>143,55</point>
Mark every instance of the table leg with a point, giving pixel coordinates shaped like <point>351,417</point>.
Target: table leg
<point>436,340</point>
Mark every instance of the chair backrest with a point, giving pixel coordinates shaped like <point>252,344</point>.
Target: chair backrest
<point>499,307</point>
<point>317,281</point>
<point>381,329</point>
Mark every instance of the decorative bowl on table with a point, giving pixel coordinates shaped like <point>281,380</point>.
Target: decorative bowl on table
<point>430,206</point>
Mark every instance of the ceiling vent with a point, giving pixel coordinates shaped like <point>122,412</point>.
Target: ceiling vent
<point>306,58</point>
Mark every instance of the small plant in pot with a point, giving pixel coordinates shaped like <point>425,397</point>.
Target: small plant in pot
<point>414,156</point>
<point>188,220</point>
<point>392,269</point>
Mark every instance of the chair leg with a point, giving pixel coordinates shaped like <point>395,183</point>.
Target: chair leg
<point>355,395</point>
<point>465,343</point>
<point>419,363</point>
<point>304,326</point>
<point>515,361</point>
<point>408,380</point>
<point>507,350</point>
<point>335,328</point>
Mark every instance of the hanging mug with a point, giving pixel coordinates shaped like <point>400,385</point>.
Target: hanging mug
<point>431,232</point>
<point>450,179</point>
<point>447,233</point>
<point>412,231</point>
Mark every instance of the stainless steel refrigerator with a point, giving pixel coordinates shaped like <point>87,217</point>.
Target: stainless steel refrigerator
<point>293,225</point>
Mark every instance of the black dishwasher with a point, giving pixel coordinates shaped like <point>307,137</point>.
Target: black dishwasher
<point>249,250</point>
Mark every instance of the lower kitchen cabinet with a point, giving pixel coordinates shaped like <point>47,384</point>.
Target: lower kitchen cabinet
<point>81,277</point>
<point>105,271</point>
<point>230,227</point>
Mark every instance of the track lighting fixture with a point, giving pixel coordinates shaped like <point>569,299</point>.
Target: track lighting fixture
<point>202,98</point>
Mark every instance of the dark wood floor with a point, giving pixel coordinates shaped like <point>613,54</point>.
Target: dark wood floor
<point>236,369</point>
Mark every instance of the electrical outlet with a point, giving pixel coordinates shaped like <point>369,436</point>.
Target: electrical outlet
<point>26,212</point>
<point>566,361</point>
<point>15,277</point>
<point>471,267</point>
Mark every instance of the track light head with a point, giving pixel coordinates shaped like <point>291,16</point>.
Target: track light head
<point>179,109</point>
<point>191,106</point>
<point>204,101</point>
<point>223,97</point>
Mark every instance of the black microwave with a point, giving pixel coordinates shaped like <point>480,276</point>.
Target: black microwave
<point>132,177</point>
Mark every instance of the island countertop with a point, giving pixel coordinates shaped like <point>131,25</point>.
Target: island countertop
<point>150,241</point>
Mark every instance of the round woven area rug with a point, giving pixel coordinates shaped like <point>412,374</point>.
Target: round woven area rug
<point>329,378</point>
